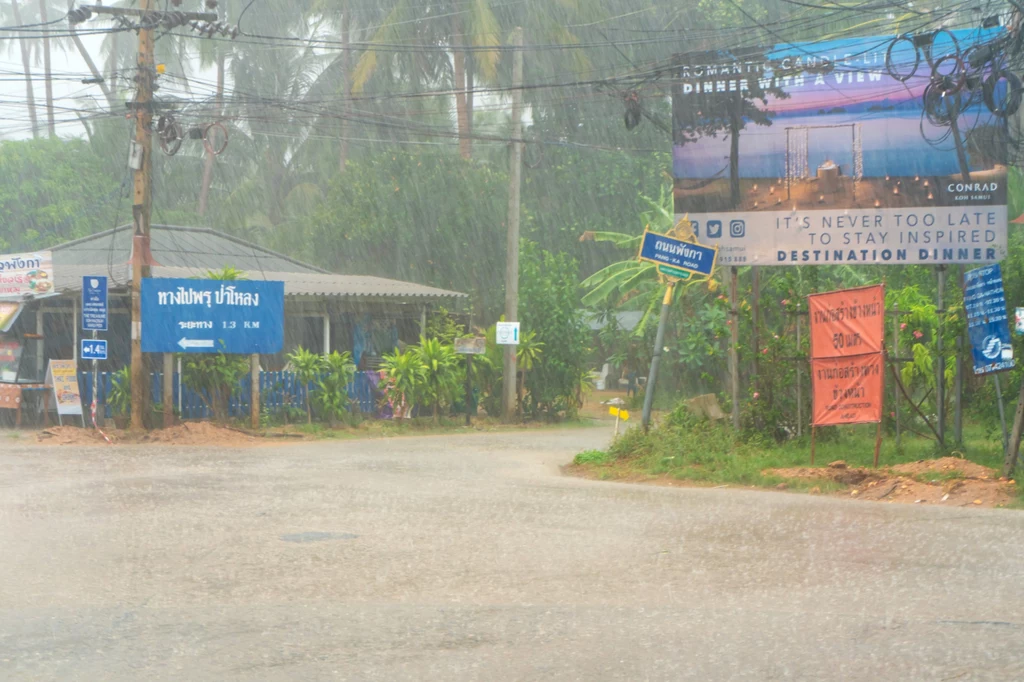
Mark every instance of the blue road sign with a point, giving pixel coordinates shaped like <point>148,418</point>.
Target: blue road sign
<point>678,254</point>
<point>94,349</point>
<point>94,303</point>
<point>988,326</point>
<point>212,316</point>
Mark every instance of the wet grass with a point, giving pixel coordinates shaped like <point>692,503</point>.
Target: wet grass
<point>702,453</point>
<point>385,428</point>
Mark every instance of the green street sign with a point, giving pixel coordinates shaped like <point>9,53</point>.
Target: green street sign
<point>673,272</point>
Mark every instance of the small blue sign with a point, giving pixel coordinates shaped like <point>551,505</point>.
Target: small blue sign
<point>94,303</point>
<point>93,349</point>
<point>988,325</point>
<point>212,316</point>
<point>679,254</point>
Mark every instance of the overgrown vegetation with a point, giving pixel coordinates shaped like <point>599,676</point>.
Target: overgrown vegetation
<point>683,447</point>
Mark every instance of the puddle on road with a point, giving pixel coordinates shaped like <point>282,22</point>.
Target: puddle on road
<point>317,536</point>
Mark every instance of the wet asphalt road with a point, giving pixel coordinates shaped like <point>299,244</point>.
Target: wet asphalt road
<point>472,558</point>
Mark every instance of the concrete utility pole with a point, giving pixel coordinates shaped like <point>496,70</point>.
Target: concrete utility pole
<point>508,394</point>
<point>141,207</point>
<point>142,164</point>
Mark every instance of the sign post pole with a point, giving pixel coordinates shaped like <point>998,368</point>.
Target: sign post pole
<point>168,390</point>
<point>478,346</point>
<point>95,318</point>
<point>469,389</point>
<point>659,340</point>
<point>95,386</point>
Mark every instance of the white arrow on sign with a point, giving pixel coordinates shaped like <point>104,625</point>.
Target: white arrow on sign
<point>195,343</point>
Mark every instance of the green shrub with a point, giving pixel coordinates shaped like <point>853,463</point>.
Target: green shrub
<point>592,457</point>
<point>330,398</point>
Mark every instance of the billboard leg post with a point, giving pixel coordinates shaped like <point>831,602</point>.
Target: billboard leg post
<point>878,442</point>
<point>958,387</point>
<point>799,382</point>
<point>940,379</point>
<point>659,341</point>
<point>814,432</point>
<point>755,295</point>
<point>895,388</point>
<point>734,342</point>
<point>1002,413</point>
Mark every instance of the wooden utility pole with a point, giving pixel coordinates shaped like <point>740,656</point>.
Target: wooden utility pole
<point>141,207</point>
<point>508,394</point>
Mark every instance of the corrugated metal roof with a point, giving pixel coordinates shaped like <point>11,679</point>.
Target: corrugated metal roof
<point>193,251</point>
<point>68,278</point>
<point>200,248</point>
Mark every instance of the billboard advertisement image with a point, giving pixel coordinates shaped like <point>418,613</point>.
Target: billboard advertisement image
<point>875,150</point>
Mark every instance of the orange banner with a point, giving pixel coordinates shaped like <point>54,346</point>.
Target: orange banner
<point>848,390</point>
<point>848,322</point>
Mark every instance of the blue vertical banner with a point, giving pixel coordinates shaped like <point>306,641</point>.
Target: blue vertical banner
<point>94,303</point>
<point>988,325</point>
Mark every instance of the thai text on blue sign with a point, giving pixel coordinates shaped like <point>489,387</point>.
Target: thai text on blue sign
<point>678,254</point>
<point>93,349</point>
<point>212,316</point>
<point>94,303</point>
<point>988,326</point>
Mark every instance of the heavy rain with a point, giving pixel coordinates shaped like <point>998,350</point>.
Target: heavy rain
<point>511,340</point>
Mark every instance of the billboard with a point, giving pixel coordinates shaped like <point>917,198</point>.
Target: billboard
<point>876,150</point>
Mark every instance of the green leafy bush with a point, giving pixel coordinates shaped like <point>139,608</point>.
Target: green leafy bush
<point>442,375</point>
<point>550,309</point>
<point>330,398</point>
<point>404,375</point>
<point>120,398</point>
<point>307,366</point>
<point>215,378</point>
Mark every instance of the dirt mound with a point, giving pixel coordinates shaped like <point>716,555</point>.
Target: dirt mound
<point>969,484</point>
<point>188,433</point>
<point>945,465</point>
<point>70,435</point>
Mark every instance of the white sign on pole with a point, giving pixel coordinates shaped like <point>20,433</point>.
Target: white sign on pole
<point>507,333</point>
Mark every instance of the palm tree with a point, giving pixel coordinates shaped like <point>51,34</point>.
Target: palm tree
<point>51,126</point>
<point>412,23</point>
<point>30,96</point>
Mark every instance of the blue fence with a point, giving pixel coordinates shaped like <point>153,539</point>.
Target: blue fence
<point>279,391</point>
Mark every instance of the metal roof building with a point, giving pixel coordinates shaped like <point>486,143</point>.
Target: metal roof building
<point>323,311</point>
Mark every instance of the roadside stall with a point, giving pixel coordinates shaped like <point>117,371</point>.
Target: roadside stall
<point>23,278</point>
